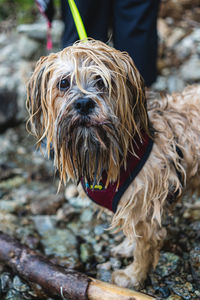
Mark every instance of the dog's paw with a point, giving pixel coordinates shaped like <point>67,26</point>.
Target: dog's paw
<point>122,279</point>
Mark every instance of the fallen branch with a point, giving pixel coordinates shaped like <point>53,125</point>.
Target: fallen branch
<point>58,281</point>
<point>99,290</point>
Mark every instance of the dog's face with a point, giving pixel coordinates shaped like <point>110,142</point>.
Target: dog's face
<point>88,102</point>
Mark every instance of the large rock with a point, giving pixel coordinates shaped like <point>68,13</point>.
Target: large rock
<point>29,49</point>
<point>12,83</point>
<point>8,107</point>
<point>34,37</point>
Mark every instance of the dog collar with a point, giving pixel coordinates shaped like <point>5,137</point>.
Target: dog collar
<point>109,197</point>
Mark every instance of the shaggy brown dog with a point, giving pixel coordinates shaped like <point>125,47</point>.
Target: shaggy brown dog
<point>88,102</point>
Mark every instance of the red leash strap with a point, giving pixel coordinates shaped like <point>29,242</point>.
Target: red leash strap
<point>49,25</point>
<point>49,36</point>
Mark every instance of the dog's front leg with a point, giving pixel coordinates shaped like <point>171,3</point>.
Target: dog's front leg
<point>146,255</point>
<point>124,249</point>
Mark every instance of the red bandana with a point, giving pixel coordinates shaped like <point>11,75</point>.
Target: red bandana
<point>109,197</point>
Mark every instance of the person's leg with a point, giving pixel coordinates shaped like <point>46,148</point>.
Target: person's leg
<point>95,16</point>
<point>135,31</point>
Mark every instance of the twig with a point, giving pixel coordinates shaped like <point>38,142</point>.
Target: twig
<point>58,281</point>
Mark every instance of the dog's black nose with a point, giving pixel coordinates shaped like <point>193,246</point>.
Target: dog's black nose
<point>84,106</point>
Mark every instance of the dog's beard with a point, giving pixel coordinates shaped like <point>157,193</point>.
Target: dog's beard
<point>87,145</point>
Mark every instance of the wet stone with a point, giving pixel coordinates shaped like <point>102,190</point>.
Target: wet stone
<point>168,264</point>
<point>190,71</point>
<point>38,31</point>
<point>160,84</point>
<point>192,213</point>
<point>8,222</point>
<point>99,229</point>
<point>174,297</point>
<point>182,291</point>
<point>189,278</point>
<point>11,206</point>
<point>74,226</point>
<point>86,252</point>
<point>104,275</point>
<point>105,266</point>
<point>79,202</point>
<point>28,239</point>
<point>196,226</point>
<point>60,242</point>
<point>195,264</point>
<point>47,204</point>
<point>175,84</point>
<point>2,193</point>
<point>8,205</point>
<point>66,213</point>
<point>197,293</point>
<point>8,106</point>
<point>14,295</point>
<point>115,262</point>
<point>44,224</point>
<point>28,48</point>
<point>5,282</point>
<point>19,286</point>
<point>87,215</point>
<point>85,233</point>
<point>12,183</point>
<point>6,171</point>
<point>99,258</point>
<point>163,291</point>
<point>98,247</point>
<point>71,191</point>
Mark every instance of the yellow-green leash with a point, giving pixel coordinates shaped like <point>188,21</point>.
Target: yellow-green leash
<point>77,20</point>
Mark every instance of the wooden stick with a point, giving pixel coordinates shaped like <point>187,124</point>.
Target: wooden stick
<point>33,267</point>
<point>58,281</point>
<point>99,290</point>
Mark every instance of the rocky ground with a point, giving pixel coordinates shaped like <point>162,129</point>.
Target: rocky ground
<point>62,226</point>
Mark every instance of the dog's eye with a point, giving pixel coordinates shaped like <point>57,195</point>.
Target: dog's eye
<point>64,84</point>
<point>100,83</point>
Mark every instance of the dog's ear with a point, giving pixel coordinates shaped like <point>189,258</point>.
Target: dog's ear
<point>36,98</point>
<point>129,86</point>
<point>136,86</point>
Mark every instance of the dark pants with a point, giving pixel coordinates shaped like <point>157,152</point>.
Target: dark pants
<point>133,23</point>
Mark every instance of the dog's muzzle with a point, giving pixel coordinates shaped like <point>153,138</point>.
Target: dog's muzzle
<point>84,106</point>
